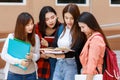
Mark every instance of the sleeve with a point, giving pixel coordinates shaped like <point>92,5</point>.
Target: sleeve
<point>5,56</point>
<point>77,49</point>
<point>96,49</point>
<point>36,54</point>
<point>69,54</point>
<point>76,52</point>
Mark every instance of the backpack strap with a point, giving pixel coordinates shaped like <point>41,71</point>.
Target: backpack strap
<point>97,70</point>
<point>60,29</point>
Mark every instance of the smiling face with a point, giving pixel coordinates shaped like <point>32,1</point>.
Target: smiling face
<point>69,20</point>
<point>50,19</point>
<point>29,27</point>
<point>84,28</point>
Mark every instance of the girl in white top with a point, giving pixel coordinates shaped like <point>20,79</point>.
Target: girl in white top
<point>24,31</point>
<point>68,64</point>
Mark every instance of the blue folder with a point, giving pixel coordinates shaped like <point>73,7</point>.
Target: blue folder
<point>18,49</point>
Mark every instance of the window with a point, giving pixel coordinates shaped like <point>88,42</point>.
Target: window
<point>78,2</point>
<point>114,2</point>
<point>12,2</point>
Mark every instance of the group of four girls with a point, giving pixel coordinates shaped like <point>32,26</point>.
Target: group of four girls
<point>79,32</point>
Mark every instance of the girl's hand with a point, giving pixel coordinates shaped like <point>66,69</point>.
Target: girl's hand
<point>29,56</point>
<point>24,63</point>
<point>51,55</point>
<point>42,55</point>
<point>44,42</point>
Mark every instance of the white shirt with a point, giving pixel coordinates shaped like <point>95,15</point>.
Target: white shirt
<point>65,40</point>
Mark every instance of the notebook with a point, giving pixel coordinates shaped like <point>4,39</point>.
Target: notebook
<point>18,49</point>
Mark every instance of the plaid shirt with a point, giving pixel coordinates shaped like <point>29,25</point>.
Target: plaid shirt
<point>43,64</point>
<point>43,68</point>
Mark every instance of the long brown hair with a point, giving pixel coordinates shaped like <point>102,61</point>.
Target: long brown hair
<point>19,33</point>
<point>75,30</point>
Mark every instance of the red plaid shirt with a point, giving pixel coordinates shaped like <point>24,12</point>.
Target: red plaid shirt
<point>43,68</point>
<point>43,64</point>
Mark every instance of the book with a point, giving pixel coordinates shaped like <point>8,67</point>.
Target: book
<point>18,49</point>
<point>55,50</point>
<point>83,77</point>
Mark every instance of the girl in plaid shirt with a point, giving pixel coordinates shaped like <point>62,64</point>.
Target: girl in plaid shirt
<point>46,27</point>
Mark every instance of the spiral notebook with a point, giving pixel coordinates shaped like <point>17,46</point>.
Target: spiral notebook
<point>18,49</point>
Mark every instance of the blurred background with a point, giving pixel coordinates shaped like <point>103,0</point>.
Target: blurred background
<point>107,13</point>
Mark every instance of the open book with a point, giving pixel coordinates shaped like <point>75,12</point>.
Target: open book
<point>55,50</point>
<point>18,49</point>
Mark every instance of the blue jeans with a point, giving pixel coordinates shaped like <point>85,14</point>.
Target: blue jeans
<point>14,76</point>
<point>52,67</point>
<point>65,69</point>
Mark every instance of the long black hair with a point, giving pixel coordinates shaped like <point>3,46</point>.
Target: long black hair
<point>42,24</point>
<point>92,23</point>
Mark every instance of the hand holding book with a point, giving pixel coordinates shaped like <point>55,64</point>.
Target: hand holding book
<point>25,63</point>
<point>51,55</point>
<point>56,50</point>
<point>29,56</point>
